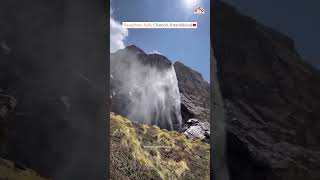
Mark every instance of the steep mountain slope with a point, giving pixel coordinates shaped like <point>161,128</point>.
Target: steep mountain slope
<point>12,171</point>
<point>271,99</point>
<point>149,88</point>
<point>148,152</point>
<point>194,91</point>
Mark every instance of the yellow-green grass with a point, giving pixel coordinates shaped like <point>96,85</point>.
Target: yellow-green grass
<point>148,152</point>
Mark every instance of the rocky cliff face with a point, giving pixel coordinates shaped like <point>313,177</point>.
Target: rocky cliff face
<point>271,100</point>
<point>194,91</point>
<point>195,102</point>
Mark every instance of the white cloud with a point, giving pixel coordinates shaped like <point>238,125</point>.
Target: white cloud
<point>117,34</point>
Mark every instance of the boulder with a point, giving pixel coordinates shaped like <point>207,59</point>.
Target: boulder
<point>193,121</point>
<point>197,130</point>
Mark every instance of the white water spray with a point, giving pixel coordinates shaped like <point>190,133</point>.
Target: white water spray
<point>157,99</point>
<point>153,92</point>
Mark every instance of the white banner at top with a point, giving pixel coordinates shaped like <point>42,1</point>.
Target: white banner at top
<point>160,25</point>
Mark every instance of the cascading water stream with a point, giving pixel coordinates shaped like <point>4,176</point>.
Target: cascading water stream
<point>151,93</point>
<point>156,100</point>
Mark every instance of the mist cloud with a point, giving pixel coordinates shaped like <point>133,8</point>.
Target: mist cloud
<point>152,92</point>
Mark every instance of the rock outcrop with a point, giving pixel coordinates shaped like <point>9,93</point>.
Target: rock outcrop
<point>195,102</point>
<point>271,100</point>
<point>194,91</point>
<point>196,129</point>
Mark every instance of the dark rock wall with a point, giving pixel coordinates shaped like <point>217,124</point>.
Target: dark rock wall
<point>271,100</point>
<point>53,64</point>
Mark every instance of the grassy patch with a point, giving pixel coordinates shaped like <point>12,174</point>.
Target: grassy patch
<point>148,152</point>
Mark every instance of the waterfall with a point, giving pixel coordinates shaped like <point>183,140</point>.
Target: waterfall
<point>156,99</point>
<point>151,93</point>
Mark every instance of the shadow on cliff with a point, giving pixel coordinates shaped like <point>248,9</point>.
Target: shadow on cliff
<point>270,97</point>
<point>55,67</point>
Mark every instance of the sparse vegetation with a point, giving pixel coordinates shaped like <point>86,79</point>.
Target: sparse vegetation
<point>148,152</point>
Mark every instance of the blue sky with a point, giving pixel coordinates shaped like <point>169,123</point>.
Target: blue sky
<point>189,46</point>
